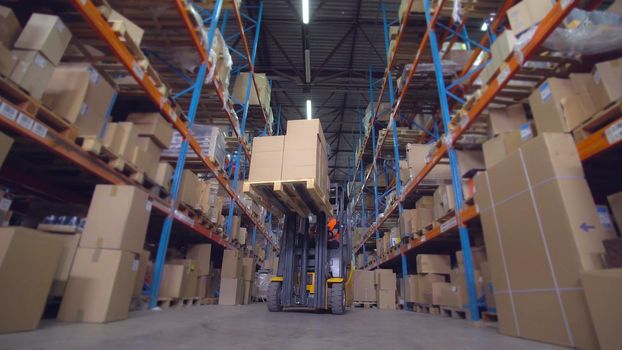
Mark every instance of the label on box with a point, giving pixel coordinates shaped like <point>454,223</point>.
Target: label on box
<point>148,206</point>
<point>449,224</point>
<point>93,75</point>
<point>525,132</point>
<point>138,71</point>
<point>503,74</point>
<point>596,76</point>
<point>40,61</point>
<point>40,129</point>
<point>614,132</point>
<point>183,218</point>
<point>566,3</point>
<point>135,265</point>
<point>603,215</point>
<point>24,121</point>
<point>84,109</point>
<point>59,26</point>
<point>8,111</point>
<point>5,204</point>
<point>545,91</point>
<point>423,238</point>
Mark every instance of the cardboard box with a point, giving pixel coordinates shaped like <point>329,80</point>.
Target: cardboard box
<point>458,280</point>
<point>582,84</point>
<point>450,296</point>
<point>502,47</point>
<point>557,210</point>
<point>502,120</point>
<point>9,27</point>
<point>497,148</point>
<point>100,286</point>
<point>602,291</point>
<point>46,34</point>
<point>424,290</point>
<point>416,7</point>
<point>305,153</point>
<point>235,227</point>
<point>364,288</point>
<point>231,291</point>
<point>470,162</point>
<point>434,294</point>
<point>416,156</point>
<point>248,269</point>
<point>70,246</point>
<point>528,13</point>
<point>28,261</point>
<point>242,234</point>
<point>615,7</point>
<point>32,72</point>
<point>263,85</point>
<point>188,188</point>
<point>141,272</point>
<point>121,138</point>
<point>134,32</point>
<point>444,201</point>
<point>65,92</point>
<point>117,219</point>
<point>386,280</point>
<point>422,218</point>
<point>386,299</point>
<point>489,292</point>
<point>247,292</point>
<point>478,254</point>
<point>146,156</point>
<point>8,61</point>
<point>180,278</point>
<point>267,158</point>
<point>231,264</point>
<point>615,203</point>
<point>557,107</point>
<point>606,85</point>
<point>425,202</point>
<point>202,253</point>
<point>153,125</point>
<point>433,263</point>
<point>412,289</point>
<point>6,143</point>
<point>164,175</point>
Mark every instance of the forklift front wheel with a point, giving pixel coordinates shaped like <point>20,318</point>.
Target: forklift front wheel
<point>337,298</point>
<point>274,297</point>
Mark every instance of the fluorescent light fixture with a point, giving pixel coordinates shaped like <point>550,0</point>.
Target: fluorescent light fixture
<point>309,110</point>
<point>305,11</point>
<point>307,66</point>
<point>484,26</point>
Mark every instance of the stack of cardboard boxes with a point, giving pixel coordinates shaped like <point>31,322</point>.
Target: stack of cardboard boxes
<point>541,228</point>
<point>386,288</point>
<point>231,279</point>
<point>105,266</point>
<point>202,254</point>
<point>508,128</point>
<point>209,137</point>
<point>248,277</point>
<point>456,294</point>
<point>413,220</point>
<point>364,286</point>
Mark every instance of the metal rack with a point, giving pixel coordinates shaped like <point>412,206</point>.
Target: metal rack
<point>454,126</point>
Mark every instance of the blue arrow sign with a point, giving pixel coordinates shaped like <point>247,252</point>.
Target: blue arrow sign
<point>585,227</point>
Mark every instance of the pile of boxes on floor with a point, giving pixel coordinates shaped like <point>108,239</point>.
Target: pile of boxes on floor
<point>236,279</point>
<point>190,277</point>
<point>375,287</point>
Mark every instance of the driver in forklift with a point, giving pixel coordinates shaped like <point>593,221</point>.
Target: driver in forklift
<point>333,233</point>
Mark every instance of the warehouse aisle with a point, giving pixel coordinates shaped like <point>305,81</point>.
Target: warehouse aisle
<point>252,327</point>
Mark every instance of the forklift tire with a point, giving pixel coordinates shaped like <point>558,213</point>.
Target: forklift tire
<point>337,299</point>
<point>274,297</point>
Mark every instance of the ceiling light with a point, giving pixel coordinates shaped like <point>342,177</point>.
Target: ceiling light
<point>484,26</point>
<point>309,110</point>
<point>305,11</point>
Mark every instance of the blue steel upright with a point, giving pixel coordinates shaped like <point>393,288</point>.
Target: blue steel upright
<point>455,171</point>
<point>374,164</point>
<point>362,174</point>
<point>236,174</point>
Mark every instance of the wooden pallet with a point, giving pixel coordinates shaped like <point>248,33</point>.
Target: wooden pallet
<point>93,145</point>
<point>208,301</point>
<point>301,196</point>
<point>453,312</point>
<point>177,302</point>
<point>598,120</point>
<point>447,216</point>
<point>365,304</point>
<point>427,309</point>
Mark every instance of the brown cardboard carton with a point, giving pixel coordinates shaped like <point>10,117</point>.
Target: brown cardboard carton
<point>615,203</point>
<point>478,254</point>
<point>184,285</point>
<point>146,156</point>
<point>458,280</point>
<point>247,292</point>
<point>9,27</point>
<point>140,273</point>
<point>203,285</point>
<point>470,162</point>
<point>489,292</point>
<point>412,285</point>
<point>188,189</point>
<point>100,286</point>
<point>70,246</point>
<point>602,291</point>
<point>6,143</point>
<point>117,219</point>
<point>605,86</point>
<point>65,92</point>
<point>386,299</point>
<point>242,234</point>
<point>32,72</point>
<point>230,291</point>
<point>416,7</point>
<point>172,281</point>
<point>202,253</point>
<point>425,202</point>
<point>153,125</point>
<point>450,296</point>
<point>378,272</point>
<point>615,7</point>
<point>46,34</point>
<point>434,296</point>
<point>581,82</point>
<point>364,288</point>
<point>544,182</point>
<point>416,156</point>
<point>121,138</point>
<point>164,175</point>
<point>425,287</point>
<point>504,120</point>
<point>263,85</point>
<point>267,158</point>
<point>248,269</point>
<point>231,264</point>
<point>519,18</point>
<point>444,201</point>
<point>431,263</point>
<point>497,148</point>
<point>134,32</point>
<point>8,60</point>
<point>502,47</point>
<point>557,107</point>
<point>386,280</point>
<point>422,218</point>
<point>28,260</point>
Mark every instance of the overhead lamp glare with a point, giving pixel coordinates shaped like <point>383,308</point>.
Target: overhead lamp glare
<point>305,11</point>
<point>309,110</point>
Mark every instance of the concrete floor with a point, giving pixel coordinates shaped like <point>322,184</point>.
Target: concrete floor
<point>253,327</point>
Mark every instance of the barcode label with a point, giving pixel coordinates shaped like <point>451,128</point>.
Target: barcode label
<point>24,121</point>
<point>503,75</point>
<point>8,111</point>
<point>39,129</point>
<point>59,26</point>
<point>5,204</point>
<point>184,218</point>
<point>464,121</point>
<point>423,238</point>
<point>545,92</point>
<point>614,132</point>
<point>148,206</point>
<point>84,109</point>
<point>93,75</point>
<point>40,61</point>
<point>138,71</point>
<point>449,224</point>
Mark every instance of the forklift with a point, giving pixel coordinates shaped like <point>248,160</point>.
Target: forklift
<point>314,261</point>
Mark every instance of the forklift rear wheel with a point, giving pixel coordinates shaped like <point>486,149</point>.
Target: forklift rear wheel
<point>337,298</point>
<point>274,297</point>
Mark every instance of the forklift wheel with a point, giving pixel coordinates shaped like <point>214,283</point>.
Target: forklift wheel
<point>337,299</point>
<point>274,297</point>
